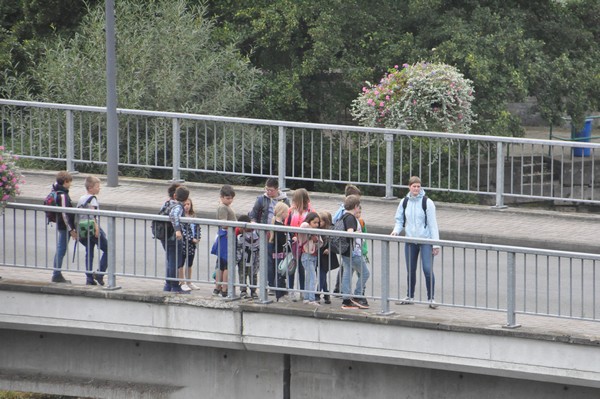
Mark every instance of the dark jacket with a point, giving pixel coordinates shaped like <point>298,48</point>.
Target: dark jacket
<point>64,221</point>
<point>260,210</point>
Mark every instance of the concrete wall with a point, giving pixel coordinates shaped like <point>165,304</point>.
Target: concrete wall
<point>134,345</point>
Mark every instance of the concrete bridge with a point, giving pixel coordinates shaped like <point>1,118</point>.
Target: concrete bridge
<point>138,342</point>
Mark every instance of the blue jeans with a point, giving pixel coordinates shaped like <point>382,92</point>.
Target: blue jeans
<point>90,244</point>
<point>62,240</point>
<point>411,253</point>
<point>174,250</point>
<point>310,269</point>
<point>355,262</point>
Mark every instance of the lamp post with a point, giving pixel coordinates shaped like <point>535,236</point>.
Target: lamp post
<point>112,122</point>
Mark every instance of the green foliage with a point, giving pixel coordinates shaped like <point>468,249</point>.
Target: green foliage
<point>166,60</point>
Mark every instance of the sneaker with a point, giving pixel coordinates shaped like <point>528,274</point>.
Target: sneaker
<point>60,279</point>
<point>99,278</point>
<point>271,293</point>
<point>295,296</point>
<point>283,299</point>
<point>90,282</point>
<point>193,286</point>
<point>433,304</point>
<point>348,304</point>
<point>327,299</point>
<point>176,288</point>
<point>224,294</point>
<point>243,294</point>
<point>185,287</point>
<point>254,295</point>
<point>406,301</point>
<point>216,292</point>
<point>314,303</point>
<point>360,302</point>
<point>167,287</point>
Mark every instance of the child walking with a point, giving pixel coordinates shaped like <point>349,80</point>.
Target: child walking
<point>191,236</point>
<point>95,236</point>
<point>310,244</point>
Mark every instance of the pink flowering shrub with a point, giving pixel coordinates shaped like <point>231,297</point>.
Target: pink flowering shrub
<point>10,177</point>
<point>422,96</point>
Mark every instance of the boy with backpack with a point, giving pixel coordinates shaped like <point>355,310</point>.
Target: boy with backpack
<point>352,256</point>
<point>65,222</point>
<point>90,233</point>
<point>174,241</point>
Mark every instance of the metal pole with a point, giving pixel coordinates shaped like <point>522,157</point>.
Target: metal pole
<point>282,158</point>
<point>111,256</point>
<point>389,166</point>
<point>263,269</point>
<point>112,122</point>
<point>385,279</point>
<point>231,249</point>
<point>499,178</point>
<point>70,141</point>
<point>511,291</point>
<point>176,150</point>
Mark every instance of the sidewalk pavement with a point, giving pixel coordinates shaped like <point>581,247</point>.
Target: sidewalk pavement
<point>555,230</point>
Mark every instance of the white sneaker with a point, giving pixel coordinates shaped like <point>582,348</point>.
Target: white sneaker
<point>185,287</point>
<point>295,296</point>
<point>433,304</point>
<point>284,299</point>
<point>406,301</point>
<point>193,286</point>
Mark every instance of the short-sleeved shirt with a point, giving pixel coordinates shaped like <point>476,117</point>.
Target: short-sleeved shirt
<point>224,212</point>
<point>93,204</point>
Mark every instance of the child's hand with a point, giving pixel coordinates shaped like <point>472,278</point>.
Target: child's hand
<point>178,235</point>
<point>195,241</point>
<point>325,252</point>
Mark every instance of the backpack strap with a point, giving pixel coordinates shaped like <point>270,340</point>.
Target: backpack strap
<point>423,205</point>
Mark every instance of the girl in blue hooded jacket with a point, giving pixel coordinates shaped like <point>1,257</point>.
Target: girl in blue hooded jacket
<point>417,218</point>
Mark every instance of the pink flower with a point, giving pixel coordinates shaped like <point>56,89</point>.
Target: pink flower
<point>396,66</point>
<point>5,197</point>
<point>387,98</point>
<point>381,104</point>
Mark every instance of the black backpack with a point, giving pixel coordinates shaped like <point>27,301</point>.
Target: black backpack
<point>405,204</point>
<point>163,230</point>
<point>337,244</point>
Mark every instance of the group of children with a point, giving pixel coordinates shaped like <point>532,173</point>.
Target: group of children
<point>312,253</point>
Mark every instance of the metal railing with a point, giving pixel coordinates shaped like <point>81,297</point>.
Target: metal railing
<point>513,280</point>
<point>495,167</point>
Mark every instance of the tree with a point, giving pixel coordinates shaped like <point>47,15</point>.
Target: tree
<point>166,60</point>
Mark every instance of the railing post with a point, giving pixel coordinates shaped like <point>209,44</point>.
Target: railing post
<point>385,279</point>
<point>282,156</point>
<point>231,263</point>
<point>511,291</point>
<point>389,166</point>
<point>111,256</point>
<point>263,269</point>
<point>499,177</point>
<point>176,150</point>
<point>70,144</point>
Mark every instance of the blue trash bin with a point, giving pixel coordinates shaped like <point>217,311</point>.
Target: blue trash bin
<point>585,136</point>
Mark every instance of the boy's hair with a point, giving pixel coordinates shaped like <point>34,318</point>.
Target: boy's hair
<point>244,218</point>
<point>351,189</point>
<point>63,177</point>
<point>90,182</point>
<point>351,202</point>
<point>326,218</point>
<point>182,193</point>
<point>272,182</point>
<point>172,188</point>
<point>301,199</point>
<point>227,191</point>
<point>413,180</point>
<point>281,209</point>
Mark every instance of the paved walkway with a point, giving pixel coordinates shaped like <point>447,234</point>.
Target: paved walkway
<point>554,230</point>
